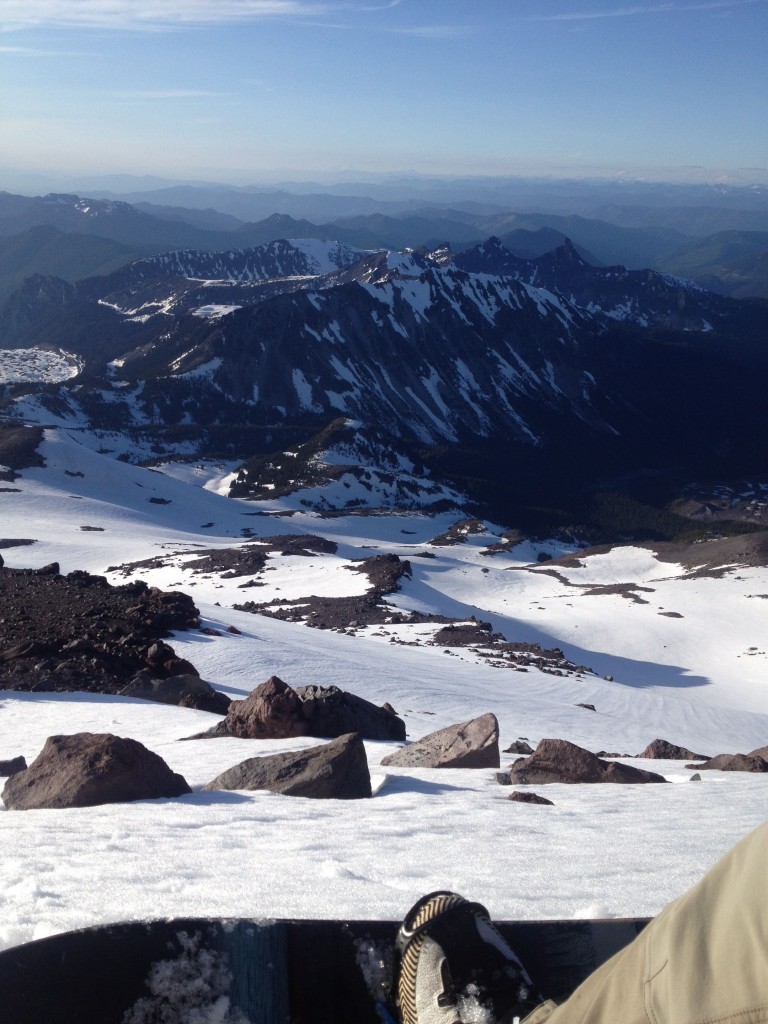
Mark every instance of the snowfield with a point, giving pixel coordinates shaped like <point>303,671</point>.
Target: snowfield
<point>21,365</point>
<point>686,653</point>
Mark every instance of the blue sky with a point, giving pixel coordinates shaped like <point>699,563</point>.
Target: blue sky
<point>247,90</point>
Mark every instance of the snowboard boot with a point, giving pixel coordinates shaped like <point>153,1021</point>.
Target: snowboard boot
<point>456,967</point>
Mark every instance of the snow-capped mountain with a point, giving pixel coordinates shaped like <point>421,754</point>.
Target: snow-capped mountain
<point>531,362</point>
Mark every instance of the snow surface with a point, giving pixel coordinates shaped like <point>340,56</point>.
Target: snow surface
<point>698,680</point>
<point>22,365</point>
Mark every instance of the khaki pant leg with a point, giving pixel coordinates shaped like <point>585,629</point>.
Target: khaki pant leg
<point>704,959</point>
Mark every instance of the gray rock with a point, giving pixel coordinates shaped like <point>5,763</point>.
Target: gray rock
<point>183,691</point>
<point>695,777</point>
<point>336,770</point>
<point>473,744</point>
<point>87,769</point>
<point>329,711</point>
<point>665,751</point>
<point>733,763</point>
<point>561,761</point>
<point>10,767</point>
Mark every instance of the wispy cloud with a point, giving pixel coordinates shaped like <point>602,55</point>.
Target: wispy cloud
<point>172,94</point>
<point>164,14</point>
<point>644,8</point>
<point>436,31</point>
<point>31,51</point>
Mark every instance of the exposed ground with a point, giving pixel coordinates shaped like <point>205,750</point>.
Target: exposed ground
<point>77,632</point>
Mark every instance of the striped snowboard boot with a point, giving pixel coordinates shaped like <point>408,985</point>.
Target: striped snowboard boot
<point>456,968</point>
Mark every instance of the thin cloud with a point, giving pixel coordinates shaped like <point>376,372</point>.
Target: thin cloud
<point>146,15</point>
<point>436,31</point>
<point>172,94</point>
<point>635,9</point>
<point>30,51</point>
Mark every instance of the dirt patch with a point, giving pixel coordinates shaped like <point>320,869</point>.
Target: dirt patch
<point>459,532</point>
<point>248,560</point>
<point>631,591</point>
<point>370,609</point>
<point>717,556</point>
<point>77,632</point>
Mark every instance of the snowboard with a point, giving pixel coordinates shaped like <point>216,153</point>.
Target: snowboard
<point>258,971</point>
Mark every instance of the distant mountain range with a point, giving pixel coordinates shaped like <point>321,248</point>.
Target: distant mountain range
<point>729,258</point>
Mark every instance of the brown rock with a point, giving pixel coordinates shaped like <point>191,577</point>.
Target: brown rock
<point>529,798</point>
<point>329,711</point>
<point>473,744</point>
<point>519,747</point>
<point>759,752</point>
<point>336,770</point>
<point>561,761</point>
<point>733,763</point>
<point>663,750</point>
<point>87,769</point>
<point>271,711</point>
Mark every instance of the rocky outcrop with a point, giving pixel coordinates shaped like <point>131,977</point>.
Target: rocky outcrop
<point>663,750</point>
<point>13,765</point>
<point>733,763</point>
<point>473,744</point>
<point>186,691</point>
<point>87,769</point>
<point>561,761</point>
<point>337,770</point>
<point>270,712</point>
<point>329,711</point>
<point>78,632</point>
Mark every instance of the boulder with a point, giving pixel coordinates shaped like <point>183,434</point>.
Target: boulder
<point>663,750</point>
<point>759,752</point>
<point>561,761</point>
<point>10,767</point>
<point>185,691</point>
<point>529,798</point>
<point>473,744</point>
<point>87,769</point>
<point>272,711</point>
<point>335,770</point>
<point>733,763</point>
<point>329,711</point>
<point>161,658</point>
<point>519,747</point>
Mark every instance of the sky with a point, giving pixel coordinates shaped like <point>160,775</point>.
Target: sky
<point>259,90</point>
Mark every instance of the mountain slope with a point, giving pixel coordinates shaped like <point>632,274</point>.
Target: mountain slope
<point>484,367</point>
